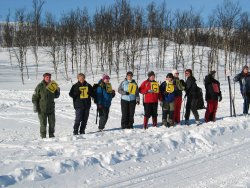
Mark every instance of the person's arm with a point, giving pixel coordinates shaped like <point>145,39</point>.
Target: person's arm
<point>121,90</point>
<point>35,99</point>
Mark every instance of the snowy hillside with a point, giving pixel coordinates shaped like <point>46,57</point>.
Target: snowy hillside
<point>211,155</point>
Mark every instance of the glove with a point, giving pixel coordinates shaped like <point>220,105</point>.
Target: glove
<point>127,93</point>
<point>137,102</point>
<point>100,106</point>
<point>150,91</point>
<point>220,98</point>
<point>113,93</point>
<point>35,109</point>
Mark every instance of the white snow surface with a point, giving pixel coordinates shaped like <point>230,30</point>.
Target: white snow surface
<point>214,154</point>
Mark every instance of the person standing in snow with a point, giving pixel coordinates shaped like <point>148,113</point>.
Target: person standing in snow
<point>167,90</point>
<point>104,95</point>
<point>81,93</point>
<point>44,105</point>
<point>213,95</point>
<point>244,79</point>
<point>191,90</point>
<point>130,97</point>
<point>150,91</point>
<point>179,87</point>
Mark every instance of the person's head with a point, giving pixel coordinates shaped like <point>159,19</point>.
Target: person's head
<point>188,72</point>
<point>212,73</point>
<point>81,77</point>
<point>47,77</point>
<point>170,77</point>
<point>175,73</point>
<point>105,78</point>
<point>245,69</point>
<point>129,75</point>
<point>151,75</point>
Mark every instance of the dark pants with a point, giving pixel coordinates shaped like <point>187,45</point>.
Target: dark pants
<point>191,105</point>
<point>128,112</point>
<point>43,124</point>
<point>150,109</point>
<point>81,120</point>
<point>103,115</point>
<point>246,104</point>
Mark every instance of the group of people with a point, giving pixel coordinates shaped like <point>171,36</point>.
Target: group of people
<point>169,94</point>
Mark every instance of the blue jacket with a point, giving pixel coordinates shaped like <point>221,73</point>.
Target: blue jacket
<point>166,97</point>
<point>244,81</point>
<point>103,98</point>
<point>123,89</point>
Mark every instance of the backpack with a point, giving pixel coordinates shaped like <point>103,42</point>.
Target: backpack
<point>95,86</point>
<point>200,102</point>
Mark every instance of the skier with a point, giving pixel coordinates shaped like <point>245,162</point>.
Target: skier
<point>244,80</point>
<point>167,90</point>
<point>179,87</point>
<point>191,90</point>
<point>104,94</point>
<point>130,97</point>
<point>213,95</point>
<point>150,90</point>
<point>81,92</point>
<point>44,105</point>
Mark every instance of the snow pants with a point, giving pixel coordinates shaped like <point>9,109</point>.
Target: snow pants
<point>168,113</point>
<point>81,119</point>
<point>103,115</point>
<point>150,109</point>
<point>128,112</point>
<point>43,124</point>
<point>211,110</point>
<point>177,109</point>
<point>191,105</point>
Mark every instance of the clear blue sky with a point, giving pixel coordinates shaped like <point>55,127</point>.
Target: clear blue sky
<point>57,7</point>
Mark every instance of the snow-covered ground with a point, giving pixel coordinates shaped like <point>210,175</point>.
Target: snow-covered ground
<point>211,155</point>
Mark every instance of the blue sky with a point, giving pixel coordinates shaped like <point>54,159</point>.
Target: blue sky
<point>57,7</point>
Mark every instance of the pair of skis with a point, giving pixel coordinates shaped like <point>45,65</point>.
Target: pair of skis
<point>232,98</point>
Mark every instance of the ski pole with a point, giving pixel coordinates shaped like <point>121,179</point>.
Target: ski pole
<point>184,106</point>
<point>97,113</point>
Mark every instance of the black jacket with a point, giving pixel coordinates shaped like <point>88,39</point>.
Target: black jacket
<point>191,87</point>
<point>211,92</point>
<point>75,93</point>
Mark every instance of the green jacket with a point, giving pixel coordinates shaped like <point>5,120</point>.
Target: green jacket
<point>43,99</point>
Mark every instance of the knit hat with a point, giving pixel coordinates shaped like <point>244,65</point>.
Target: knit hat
<point>105,76</point>
<point>46,74</point>
<point>170,75</point>
<point>129,73</point>
<point>151,73</point>
<point>212,72</point>
<point>174,71</point>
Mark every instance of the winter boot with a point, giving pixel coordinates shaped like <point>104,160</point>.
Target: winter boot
<point>145,123</point>
<point>154,121</point>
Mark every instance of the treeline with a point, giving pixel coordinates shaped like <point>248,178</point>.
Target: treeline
<point>122,36</point>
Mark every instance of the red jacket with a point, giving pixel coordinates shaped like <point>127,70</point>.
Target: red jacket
<point>147,96</point>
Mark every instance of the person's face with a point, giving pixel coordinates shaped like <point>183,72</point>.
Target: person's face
<point>169,79</point>
<point>187,74</point>
<point>81,79</point>
<point>245,70</point>
<point>176,74</point>
<point>129,77</point>
<point>152,77</point>
<point>106,81</point>
<point>47,79</point>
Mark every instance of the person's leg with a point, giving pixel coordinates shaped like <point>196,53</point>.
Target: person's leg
<point>147,114</point>
<point>171,114</point>
<point>131,113</point>
<point>125,114</point>
<point>85,115</point>
<point>177,109</point>
<point>103,114</point>
<point>188,108</point>
<point>78,119</point>
<point>164,113</point>
<point>208,110</point>
<point>194,110</point>
<point>43,124</point>
<point>154,107</point>
<point>52,123</point>
<point>215,107</point>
